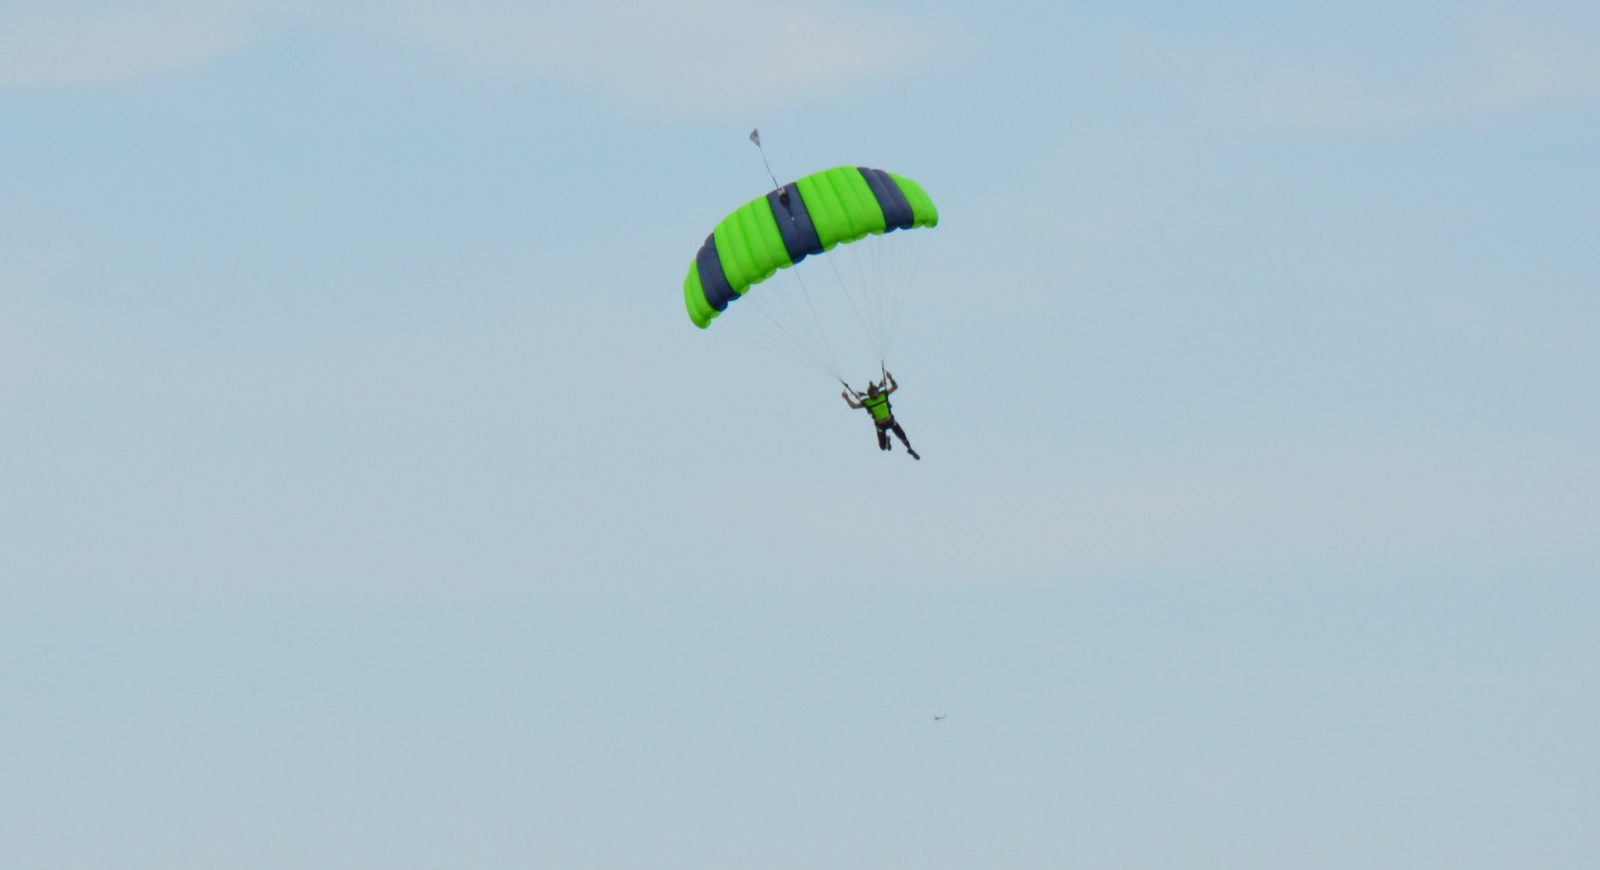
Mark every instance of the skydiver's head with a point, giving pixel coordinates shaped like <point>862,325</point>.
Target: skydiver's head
<point>872,390</point>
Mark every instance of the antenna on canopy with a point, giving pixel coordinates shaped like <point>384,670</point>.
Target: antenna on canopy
<point>783,195</point>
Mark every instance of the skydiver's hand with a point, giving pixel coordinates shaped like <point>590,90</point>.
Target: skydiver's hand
<point>846,395</point>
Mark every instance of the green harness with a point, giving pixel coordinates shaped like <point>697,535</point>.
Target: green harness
<point>879,406</point>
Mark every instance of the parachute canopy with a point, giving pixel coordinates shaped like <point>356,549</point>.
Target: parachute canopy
<point>810,216</point>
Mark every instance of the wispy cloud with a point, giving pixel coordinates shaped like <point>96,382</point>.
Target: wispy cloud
<point>93,44</point>
<point>695,56</point>
<point>1519,57</point>
<point>1295,513</point>
<point>1492,57</point>
<point>1298,512</point>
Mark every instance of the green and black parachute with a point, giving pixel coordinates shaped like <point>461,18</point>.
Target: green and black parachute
<point>807,217</point>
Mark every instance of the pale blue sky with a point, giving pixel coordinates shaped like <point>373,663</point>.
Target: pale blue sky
<point>368,500</point>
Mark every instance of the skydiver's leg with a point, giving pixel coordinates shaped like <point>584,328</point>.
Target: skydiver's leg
<point>883,438</point>
<point>902,434</point>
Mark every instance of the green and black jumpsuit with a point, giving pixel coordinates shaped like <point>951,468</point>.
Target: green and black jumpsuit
<point>883,418</point>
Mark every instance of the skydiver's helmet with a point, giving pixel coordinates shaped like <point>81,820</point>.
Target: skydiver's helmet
<point>872,390</point>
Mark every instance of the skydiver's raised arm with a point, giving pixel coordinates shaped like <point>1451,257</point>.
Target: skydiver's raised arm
<point>849,401</point>
<point>889,379</point>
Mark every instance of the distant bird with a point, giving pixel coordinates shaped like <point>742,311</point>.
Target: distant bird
<point>938,718</point>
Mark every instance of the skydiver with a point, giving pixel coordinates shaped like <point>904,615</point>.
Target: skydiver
<point>876,401</point>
